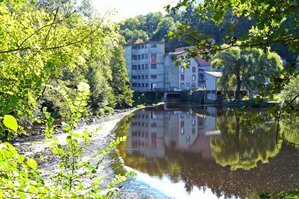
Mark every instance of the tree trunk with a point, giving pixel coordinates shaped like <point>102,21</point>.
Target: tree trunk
<point>238,89</point>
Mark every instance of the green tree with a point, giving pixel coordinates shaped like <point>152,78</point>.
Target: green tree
<point>249,69</point>
<point>36,46</point>
<point>42,51</point>
<point>290,92</point>
<point>153,26</point>
<point>166,25</point>
<point>274,22</point>
<point>120,81</point>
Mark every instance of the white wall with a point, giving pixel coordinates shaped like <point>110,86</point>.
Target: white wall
<point>210,82</point>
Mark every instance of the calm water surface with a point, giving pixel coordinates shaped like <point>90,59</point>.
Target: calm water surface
<point>211,153</point>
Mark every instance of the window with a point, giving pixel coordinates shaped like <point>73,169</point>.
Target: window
<point>153,115</point>
<point>153,55</point>
<point>182,69</point>
<point>193,122</point>
<point>138,67</point>
<point>182,85</point>
<point>142,66</point>
<point>146,84</point>
<point>142,56</point>
<point>201,77</point>
<point>134,67</point>
<point>146,56</point>
<point>182,77</point>
<point>146,66</point>
<point>153,46</point>
<point>134,57</point>
<point>146,77</point>
<point>134,77</point>
<point>193,77</point>
<point>193,86</point>
<point>154,76</point>
<point>153,124</point>
<point>193,69</point>
<point>153,66</point>
<point>153,140</point>
<point>182,131</point>
<point>138,57</point>
<point>142,76</point>
<point>182,123</point>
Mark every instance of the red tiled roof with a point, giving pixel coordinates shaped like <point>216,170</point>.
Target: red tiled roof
<point>201,62</point>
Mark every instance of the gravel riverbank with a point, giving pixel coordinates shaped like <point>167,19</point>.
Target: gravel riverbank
<point>35,146</point>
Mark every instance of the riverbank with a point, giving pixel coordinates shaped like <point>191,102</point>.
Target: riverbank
<point>102,128</point>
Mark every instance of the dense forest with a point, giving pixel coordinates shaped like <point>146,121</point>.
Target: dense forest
<point>48,49</point>
<point>159,27</point>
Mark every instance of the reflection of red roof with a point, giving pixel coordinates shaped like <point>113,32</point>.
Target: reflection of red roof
<point>202,145</point>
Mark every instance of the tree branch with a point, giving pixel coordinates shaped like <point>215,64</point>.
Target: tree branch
<point>55,47</point>
<point>47,35</point>
<point>290,102</point>
<point>20,48</point>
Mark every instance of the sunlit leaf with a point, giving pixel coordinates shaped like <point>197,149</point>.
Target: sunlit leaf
<point>10,122</point>
<point>31,163</point>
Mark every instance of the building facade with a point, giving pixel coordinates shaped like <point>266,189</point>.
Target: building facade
<point>211,84</point>
<point>145,64</point>
<point>178,78</point>
<point>151,69</point>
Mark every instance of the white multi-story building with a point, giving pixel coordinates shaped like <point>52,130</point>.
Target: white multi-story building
<point>182,77</point>
<point>150,69</point>
<point>145,64</point>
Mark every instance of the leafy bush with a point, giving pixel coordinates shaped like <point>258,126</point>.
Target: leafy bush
<point>75,178</point>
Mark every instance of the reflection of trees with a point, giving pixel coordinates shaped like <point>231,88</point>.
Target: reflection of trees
<point>256,141</point>
<point>289,129</point>
<point>245,140</point>
<point>174,170</point>
<point>280,174</point>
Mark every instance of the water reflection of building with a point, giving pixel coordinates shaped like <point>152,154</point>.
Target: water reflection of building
<point>145,136</point>
<point>152,131</point>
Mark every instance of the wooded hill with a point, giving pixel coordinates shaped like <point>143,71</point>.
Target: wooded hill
<point>159,27</point>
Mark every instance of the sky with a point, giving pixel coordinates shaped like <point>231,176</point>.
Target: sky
<point>123,9</point>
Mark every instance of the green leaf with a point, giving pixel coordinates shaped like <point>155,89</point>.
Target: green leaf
<point>31,163</point>
<point>10,122</point>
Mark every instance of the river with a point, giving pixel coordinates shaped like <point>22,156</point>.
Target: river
<point>208,152</point>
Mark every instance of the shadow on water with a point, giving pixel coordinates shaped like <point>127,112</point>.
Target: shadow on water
<point>209,151</point>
